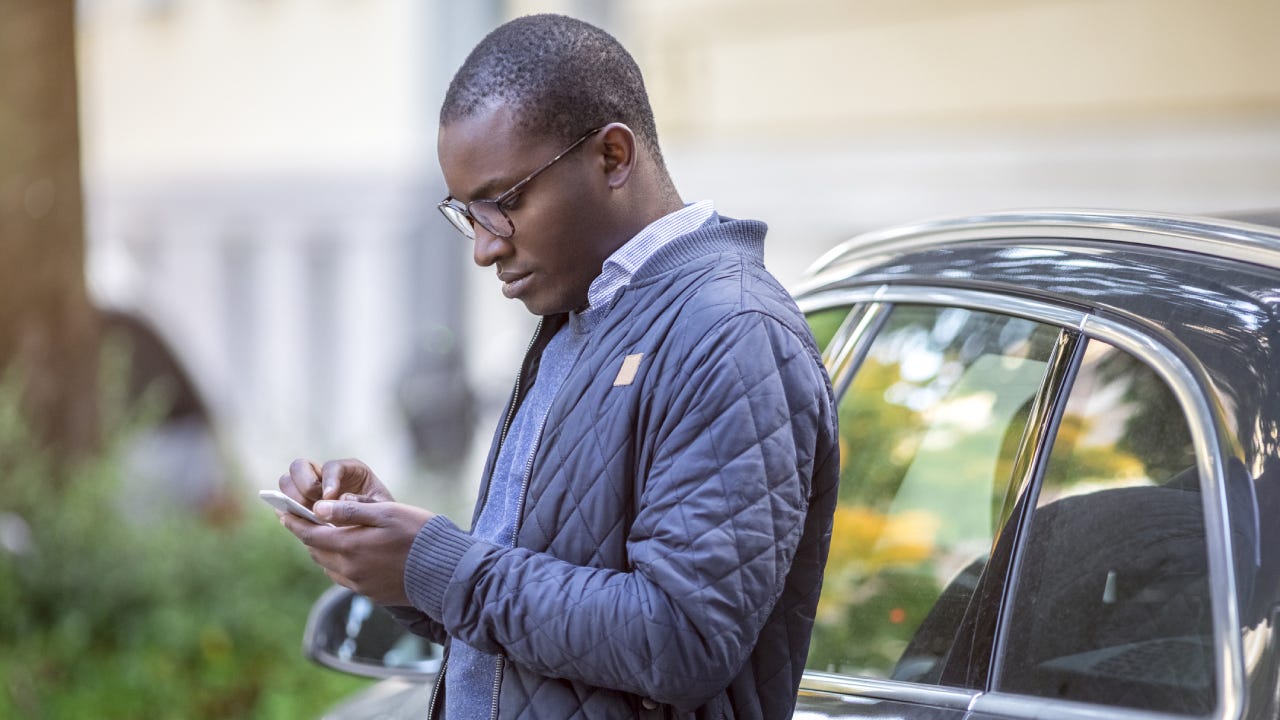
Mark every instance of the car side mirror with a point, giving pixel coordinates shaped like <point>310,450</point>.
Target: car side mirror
<point>348,632</point>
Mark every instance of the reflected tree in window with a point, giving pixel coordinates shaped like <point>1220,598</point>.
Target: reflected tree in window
<point>928,427</point>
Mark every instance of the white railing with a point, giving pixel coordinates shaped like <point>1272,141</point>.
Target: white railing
<point>297,306</point>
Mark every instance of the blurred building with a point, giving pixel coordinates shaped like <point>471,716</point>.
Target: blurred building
<point>261,182</point>
<point>261,173</point>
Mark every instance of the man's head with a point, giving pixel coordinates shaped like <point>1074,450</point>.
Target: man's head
<point>561,75</point>
<point>524,104</point>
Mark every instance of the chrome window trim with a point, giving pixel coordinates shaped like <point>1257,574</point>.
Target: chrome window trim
<point>845,360</point>
<point>1030,706</point>
<point>924,295</point>
<point>936,695</point>
<point>840,339</point>
<point>1186,383</point>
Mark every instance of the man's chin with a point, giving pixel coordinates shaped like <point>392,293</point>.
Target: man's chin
<point>534,307</point>
<point>543,307</point>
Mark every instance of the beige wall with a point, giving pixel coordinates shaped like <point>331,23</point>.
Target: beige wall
<point>231,90</point>
<point>201,87</point>
<point>753,66</point>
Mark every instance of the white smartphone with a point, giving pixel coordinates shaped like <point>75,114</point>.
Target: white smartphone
<point>280,501</point>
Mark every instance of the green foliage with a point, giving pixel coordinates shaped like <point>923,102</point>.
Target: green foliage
<point>106,614</point>
<point>868,636</point>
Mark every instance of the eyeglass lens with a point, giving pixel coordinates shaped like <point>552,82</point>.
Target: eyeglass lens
<point>490,215</point>
<point>458,218</point>
<point>486,212</point>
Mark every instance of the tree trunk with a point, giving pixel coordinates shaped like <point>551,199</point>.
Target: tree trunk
<point>48,330</point>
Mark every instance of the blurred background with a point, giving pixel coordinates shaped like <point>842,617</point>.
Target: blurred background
<point>219,251</point>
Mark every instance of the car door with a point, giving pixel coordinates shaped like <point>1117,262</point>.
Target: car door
<point>1020,519</point>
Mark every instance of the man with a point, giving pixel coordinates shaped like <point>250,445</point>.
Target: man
<point>656,507</point>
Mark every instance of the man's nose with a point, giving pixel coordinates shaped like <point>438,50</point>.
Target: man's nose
<point>488,248</point>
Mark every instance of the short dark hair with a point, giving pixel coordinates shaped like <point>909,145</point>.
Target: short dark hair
<point>560,75</point>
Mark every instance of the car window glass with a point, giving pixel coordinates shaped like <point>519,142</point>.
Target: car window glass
<point>825,323</point>
<point>1111,601</point>
<point>928,428</point>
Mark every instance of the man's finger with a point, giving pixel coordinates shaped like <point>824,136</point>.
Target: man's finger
<point>303,481</point>
<point>296,525</point>
<point>339,475</point>
<point>309,533</point>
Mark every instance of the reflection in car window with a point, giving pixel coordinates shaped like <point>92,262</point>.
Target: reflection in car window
<point>825,323</point>
<point>928,428</point>
<point>1111,601</point>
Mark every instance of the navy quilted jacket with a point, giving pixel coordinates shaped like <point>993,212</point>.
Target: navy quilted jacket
<point>674,527</point>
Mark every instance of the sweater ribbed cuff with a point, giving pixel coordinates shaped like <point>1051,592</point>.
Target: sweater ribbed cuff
<point>432,559</point>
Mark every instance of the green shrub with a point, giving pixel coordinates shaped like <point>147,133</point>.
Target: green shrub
<point>103,615</point>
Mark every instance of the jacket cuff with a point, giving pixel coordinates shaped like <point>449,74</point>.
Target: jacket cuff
<point>432,559</point>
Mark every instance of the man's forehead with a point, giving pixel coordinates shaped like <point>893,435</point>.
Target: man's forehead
<point>476,134</point>
<point>483,149</point>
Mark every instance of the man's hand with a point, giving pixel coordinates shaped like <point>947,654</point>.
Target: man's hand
<point>306,482</point>
<point>367,549</point>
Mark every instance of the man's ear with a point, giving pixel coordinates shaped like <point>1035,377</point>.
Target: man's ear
<point>618,147</point>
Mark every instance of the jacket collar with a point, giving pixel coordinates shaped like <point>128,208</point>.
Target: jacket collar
<point>717,235</point>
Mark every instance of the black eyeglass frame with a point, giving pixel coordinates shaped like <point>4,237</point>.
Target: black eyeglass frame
<point>463,216</point>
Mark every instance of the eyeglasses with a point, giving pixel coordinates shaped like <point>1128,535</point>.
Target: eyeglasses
<point>492,213</point>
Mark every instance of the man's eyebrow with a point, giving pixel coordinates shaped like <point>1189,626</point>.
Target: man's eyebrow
<point>490,189</point>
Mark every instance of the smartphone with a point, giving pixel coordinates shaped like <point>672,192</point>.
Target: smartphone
<point>280,501</point>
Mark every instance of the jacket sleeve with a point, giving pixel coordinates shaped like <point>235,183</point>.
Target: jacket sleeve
<point>418,623</point>
<point>719,519</point>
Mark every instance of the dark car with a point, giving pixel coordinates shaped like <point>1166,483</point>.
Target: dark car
<point>1060,488</point>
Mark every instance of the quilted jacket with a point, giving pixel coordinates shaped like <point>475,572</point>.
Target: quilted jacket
<point>675,523</point>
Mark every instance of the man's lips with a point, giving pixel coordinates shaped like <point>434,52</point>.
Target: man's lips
<point>513,283</point>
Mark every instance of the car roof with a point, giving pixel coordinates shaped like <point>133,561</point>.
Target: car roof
<point>1239,237</point>
<point>1198,279</point>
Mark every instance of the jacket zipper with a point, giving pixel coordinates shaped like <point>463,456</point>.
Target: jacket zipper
<point>434,704</point>
<point>499,664</point>
<point>524,487</point>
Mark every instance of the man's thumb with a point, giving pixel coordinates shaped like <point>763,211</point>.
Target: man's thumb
<point>346,512</point>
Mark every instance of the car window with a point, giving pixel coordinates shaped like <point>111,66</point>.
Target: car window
<point>928,428</point>
<point>1111,597</point>
<point>824,324</point>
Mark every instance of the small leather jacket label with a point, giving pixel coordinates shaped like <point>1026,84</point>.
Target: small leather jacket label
<point>627,373</point>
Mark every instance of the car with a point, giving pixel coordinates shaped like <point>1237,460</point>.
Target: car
<point>1060,478</point>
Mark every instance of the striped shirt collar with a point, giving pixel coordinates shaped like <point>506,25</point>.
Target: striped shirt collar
<point>626,260</point>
